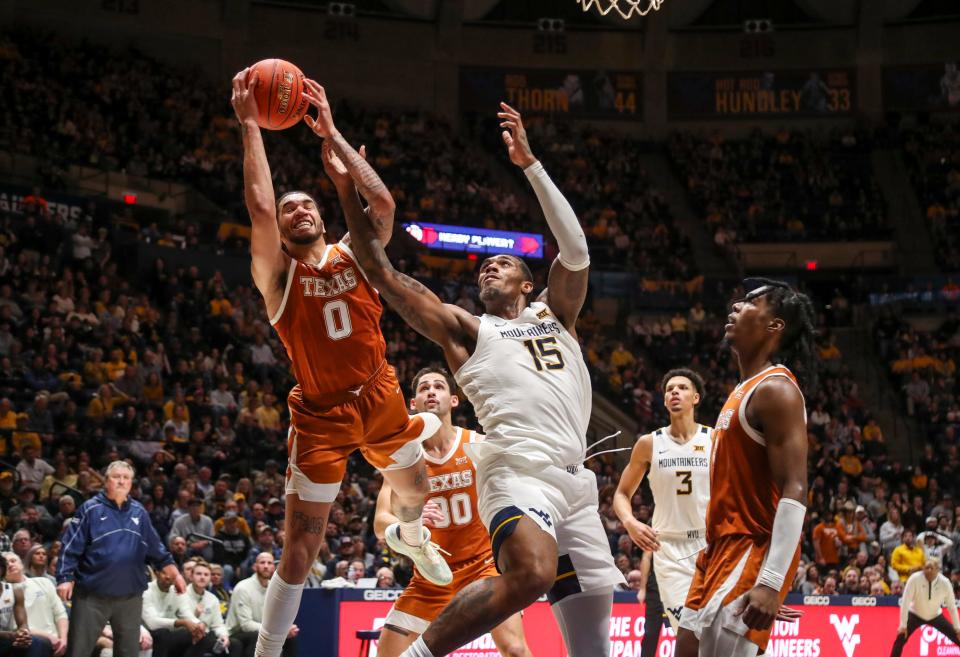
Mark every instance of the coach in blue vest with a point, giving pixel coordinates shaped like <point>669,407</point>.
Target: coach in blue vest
<point>102,566</point>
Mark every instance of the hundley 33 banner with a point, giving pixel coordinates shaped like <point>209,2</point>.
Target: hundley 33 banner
<point>827,631</point>
<point>811,93</point>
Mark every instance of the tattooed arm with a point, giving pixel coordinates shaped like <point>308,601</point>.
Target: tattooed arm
<point>347,191</point>
<point>348,169</point>
<point>451,327</point>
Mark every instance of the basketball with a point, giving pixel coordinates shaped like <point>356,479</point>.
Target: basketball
<point>279,94</point>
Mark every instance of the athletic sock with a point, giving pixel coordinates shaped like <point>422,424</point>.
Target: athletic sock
<point>280,608</point>
<point>417,649</point>
<point>411,531</point>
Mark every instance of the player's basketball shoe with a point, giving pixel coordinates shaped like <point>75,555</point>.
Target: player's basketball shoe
<point>426,557</point>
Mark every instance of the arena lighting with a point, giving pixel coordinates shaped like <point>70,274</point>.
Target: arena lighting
<point>811,265</point>
<point>757,25</point>
<point>551,25</point>
<point>342,9</point>
<point>476,240</point>
<point>130,199</point>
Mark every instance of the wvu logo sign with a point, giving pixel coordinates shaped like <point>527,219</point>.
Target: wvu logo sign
<point>846,627</point>
<point>700,448</point>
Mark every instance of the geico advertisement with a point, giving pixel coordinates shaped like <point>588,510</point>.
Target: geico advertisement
<point>823,631</point>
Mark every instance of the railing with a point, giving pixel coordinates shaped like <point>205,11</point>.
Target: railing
<point>885,256</point>
<point>778,258</point>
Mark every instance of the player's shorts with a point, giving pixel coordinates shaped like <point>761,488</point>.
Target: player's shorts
<point>422,601</point>
<point>674,563</point>
<point>725,573</point>
<point>326,429</point>
<point>563,503</point>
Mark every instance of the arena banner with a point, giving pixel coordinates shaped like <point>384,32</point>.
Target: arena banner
<point>929,88</point>
<point>476,240</point>
<point>855,629</point>
<point>65,205</point>
<point>707,95</point>
<point>596,94</point>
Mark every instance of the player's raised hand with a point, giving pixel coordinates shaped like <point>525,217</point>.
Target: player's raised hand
<point>323,125</point>
<point>643,535</point>
<point>335,167</point>
<point>760,607</point>
<point>243,100</point>
<point>431,514</point>
<point>515,137</point>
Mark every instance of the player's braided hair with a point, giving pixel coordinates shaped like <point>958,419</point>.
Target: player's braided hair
<point>797,342</point>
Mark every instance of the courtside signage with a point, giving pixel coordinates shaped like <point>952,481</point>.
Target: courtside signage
<point>823,631</point>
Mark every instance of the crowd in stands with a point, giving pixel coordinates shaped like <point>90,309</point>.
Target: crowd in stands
<point>180,372</point>
<point>626,218</point>
<point>789,186</point>
<point>130,113</point>
<point>932,155</point>
<point>922,365</point>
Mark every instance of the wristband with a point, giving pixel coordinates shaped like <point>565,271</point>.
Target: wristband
<point>787,527</point>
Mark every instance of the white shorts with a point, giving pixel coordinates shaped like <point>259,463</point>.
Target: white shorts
<point>673,566</point>
<point>719,641</point>
<point>563,504</point>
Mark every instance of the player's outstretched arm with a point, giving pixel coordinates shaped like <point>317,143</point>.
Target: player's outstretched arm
<point>777,410</point>
<point>269,261</point>
<point>569,274</point>
<point>630,479</point>
<point>346,190</point>
<point>350,163</point>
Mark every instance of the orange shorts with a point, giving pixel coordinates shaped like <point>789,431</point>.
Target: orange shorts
<point>422,601</point>
<point>326,429</point>
<point>725,572</point>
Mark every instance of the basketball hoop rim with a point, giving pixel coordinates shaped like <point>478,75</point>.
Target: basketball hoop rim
<point>633,7</point>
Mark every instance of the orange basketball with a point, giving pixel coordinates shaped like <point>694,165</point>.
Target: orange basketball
<point>279,94</point>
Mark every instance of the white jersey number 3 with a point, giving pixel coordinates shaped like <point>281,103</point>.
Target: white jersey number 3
<point>458,509</point>
<point>336,315</point>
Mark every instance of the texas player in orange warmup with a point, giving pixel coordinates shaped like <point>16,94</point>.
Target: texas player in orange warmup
<point>347,396</point>
<point>451,513</point>
<point>758,481</point>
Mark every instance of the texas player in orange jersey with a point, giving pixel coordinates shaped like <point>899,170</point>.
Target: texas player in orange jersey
<point>758,481</point>
<point>451,513</point>
<point>347,396</point>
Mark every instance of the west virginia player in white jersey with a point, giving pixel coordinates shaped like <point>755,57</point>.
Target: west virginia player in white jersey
<point>521,367</point>
<point>678,459</point>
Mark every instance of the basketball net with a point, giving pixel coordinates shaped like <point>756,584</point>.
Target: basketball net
<point>626,8</point>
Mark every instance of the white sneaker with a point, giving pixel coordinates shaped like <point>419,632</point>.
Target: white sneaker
<point>426,557</point>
